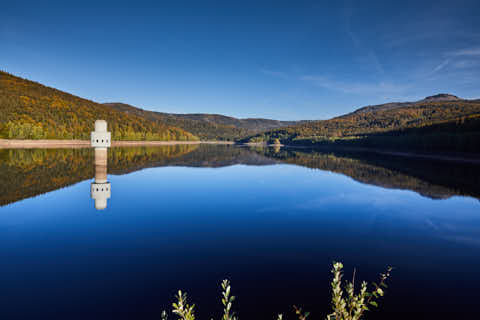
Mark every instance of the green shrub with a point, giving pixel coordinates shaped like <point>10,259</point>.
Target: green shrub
<point>346,305</point>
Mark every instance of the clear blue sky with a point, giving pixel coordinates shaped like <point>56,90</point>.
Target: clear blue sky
<point>274,59</point>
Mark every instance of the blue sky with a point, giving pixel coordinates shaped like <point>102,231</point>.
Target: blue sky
<point>273,59</point>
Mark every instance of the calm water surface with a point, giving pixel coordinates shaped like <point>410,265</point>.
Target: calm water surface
<point>272,221</point>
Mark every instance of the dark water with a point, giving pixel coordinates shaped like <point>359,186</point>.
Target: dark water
<point>271,221</point>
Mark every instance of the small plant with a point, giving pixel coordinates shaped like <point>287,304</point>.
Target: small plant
<point>351,306</point>
<point>186,311</point>
<point>164,315</point>
<point>301,315</point>
<point>182,308</point>
<point>227,301</point>
<point>346,304</point>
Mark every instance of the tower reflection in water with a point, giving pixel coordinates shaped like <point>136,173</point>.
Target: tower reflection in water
<point>100,188</point>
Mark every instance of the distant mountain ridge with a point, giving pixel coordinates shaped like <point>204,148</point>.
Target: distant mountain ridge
<point>207,126</point>
<point>441,122</point>
<point>442,97</point>
<point>394,105</point>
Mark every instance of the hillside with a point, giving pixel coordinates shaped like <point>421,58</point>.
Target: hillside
<point>29,110</point>
<point>437,123</point>
<point>207,126</point>
<point>442,122</point>
<point>394,105</point>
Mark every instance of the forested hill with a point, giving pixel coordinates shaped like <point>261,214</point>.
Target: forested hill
<point>441,97</point>
<point>29,110</point>
<point>438,123</point>
<point>207,126</point>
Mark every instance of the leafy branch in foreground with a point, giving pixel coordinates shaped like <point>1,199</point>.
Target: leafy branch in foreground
<point>184,311</point>
<point>345,303</point>
<point>227,301</point>
<point>352,306</point>
<point>182,308</point>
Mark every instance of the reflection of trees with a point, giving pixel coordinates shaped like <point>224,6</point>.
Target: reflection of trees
<point>124,160</point>
<point>29,172</point>
<point>128,159</point>
<point>25,173</point>
<point>433,179</point>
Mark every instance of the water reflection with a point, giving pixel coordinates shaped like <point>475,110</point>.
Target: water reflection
<point>253,220</point>
<point>31,172</point>
<point>100,140</point>
<point>101,188</point>
<point>435,179</point>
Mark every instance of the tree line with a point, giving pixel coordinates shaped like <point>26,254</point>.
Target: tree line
<point>30,110</point>
<point>450,126</point>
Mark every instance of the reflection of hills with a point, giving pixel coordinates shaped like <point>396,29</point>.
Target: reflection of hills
<point>25,173</point>
<point>128,159</point>
<point>430,178</point>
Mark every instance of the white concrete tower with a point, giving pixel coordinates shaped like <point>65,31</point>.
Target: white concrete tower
<point>101,138</point>
<point>101,188</point>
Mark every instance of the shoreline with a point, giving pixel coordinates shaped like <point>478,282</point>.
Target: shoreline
<point>30,144</point>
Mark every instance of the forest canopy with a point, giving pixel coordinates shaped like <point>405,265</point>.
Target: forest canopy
<point>441,123</point>
<point>425,125</point>
<point>30,110</point>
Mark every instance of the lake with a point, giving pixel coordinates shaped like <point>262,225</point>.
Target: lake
<point>272,220</point>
